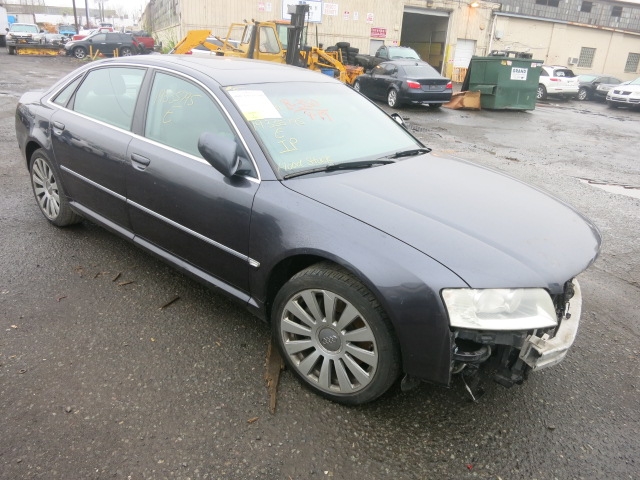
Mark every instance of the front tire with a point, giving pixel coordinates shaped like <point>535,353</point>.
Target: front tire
<point>541,92</point>
<point>356,86</point>
<point>583,94</point>
<point>392,98</point>
<point>49,192</point>
<point>434,106</point>
<point>334,335</point>
<point>11,50</point>
<point>125,52</point>
<point>80,53</point>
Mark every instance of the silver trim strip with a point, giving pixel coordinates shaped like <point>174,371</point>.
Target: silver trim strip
<point>194,233</point>
<point>143,138</point>
<point>91,182</point>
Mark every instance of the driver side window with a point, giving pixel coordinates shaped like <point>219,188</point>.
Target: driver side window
<point>179,111</point>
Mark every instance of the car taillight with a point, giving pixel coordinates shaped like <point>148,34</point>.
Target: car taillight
<point>449,86</point>
<point>188,53</point>
<point>554,79</point>
<point>411,84</point>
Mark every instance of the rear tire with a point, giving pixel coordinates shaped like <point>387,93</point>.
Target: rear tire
<point>125,52</point>
<point>392,98</point>
<point>356,86</point>
<point>435,106</point>
<point>541,92</point>
<point>49,192</point>
<point>11,50</point>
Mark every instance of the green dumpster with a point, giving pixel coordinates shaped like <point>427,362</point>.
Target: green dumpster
<point>505,80</point>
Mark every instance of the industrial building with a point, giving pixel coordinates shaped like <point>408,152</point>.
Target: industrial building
<point>589,36</point>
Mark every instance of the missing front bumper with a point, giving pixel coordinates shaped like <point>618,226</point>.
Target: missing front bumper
<point>543,351</point>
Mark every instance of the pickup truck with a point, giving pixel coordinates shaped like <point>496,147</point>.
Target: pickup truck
<point>146,43</point>
<point>22,34</point>
<point>385,53</point>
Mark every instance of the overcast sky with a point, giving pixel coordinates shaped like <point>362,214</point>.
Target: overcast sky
<point>126,6</point>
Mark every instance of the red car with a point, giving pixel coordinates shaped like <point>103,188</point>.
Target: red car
<point>85,33</point>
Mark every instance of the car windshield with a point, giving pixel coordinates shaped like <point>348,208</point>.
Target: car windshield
<point>304,126</point>
<point>587,78</point>
<point>403,52</point>
<point>635,82</point>
<point>24,28</point>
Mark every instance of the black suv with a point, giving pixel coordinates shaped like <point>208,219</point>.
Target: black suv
<point>117,44</point>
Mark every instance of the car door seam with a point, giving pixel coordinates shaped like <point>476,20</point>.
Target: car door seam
<point>254,263</point>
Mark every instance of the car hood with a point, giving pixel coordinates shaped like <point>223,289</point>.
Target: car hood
<point>490,229</point>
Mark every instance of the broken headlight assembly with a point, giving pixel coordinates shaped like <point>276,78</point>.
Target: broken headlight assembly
<point>499,309</point>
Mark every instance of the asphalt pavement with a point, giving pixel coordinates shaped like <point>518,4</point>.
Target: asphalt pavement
<point>100,377</point>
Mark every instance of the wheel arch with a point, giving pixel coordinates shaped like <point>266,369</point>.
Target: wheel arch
<point>29,148</point>
<point>286,268</point>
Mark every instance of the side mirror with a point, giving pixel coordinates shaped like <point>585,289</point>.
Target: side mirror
<point>220,152</point>
<point>398,119</point>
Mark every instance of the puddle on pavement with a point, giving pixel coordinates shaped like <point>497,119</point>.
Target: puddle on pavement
<point>620,189</point>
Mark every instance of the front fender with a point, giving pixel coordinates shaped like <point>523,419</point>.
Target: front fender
<point>405,281</point>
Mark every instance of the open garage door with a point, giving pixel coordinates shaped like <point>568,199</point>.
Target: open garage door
<point>425,30</point>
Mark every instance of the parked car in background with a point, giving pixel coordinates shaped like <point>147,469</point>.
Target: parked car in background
<point>595,86</point>
<point>625,95</point>
<point>145,41</point>
<point>23,34</point>
<point>120,44</point>
<point>405,81</point>
<point>384,54</point>
<point>54,39</point>
<point>557,80</point>
<point>292,194</point>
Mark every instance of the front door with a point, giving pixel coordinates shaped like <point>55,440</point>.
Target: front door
<point>178,202</point>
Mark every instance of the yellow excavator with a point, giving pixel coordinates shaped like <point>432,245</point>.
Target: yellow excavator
<point>263,41</point>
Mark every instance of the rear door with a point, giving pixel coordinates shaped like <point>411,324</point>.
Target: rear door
<point>180,206</point>
<point>90,136</point>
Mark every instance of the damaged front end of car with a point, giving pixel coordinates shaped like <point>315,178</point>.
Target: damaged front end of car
<point>511,331</point>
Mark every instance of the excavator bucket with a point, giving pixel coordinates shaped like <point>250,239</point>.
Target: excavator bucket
<point>191,40</point>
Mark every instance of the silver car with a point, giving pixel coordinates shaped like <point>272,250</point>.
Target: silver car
<point>625,95</point>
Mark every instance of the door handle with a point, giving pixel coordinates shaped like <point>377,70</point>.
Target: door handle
<point>58,127</point>
<point>140,162</point>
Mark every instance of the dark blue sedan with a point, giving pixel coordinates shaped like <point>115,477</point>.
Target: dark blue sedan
<point>399,82</point>
<point>302,200</point>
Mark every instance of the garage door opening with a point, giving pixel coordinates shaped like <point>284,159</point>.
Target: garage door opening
<point>425,30</point>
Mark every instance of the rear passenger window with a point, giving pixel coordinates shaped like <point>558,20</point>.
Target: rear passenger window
<point>63,97</point>
<point>179,112</point>
<point>109,95</point>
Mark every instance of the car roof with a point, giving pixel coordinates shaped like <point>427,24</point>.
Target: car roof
<point>406,62</point>
<point>227,70</point>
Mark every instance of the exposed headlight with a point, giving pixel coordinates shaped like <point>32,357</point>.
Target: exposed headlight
<point>499,308</point>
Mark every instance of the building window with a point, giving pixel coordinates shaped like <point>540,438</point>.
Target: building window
<point>550,3</point>
<point>586,57</point>
<point>616,12</point>
<point>586,7</point>
<point>632,62</point>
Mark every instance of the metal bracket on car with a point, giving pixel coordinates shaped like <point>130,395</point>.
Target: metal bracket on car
<point>545,351</point>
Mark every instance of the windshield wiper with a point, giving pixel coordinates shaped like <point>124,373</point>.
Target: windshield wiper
<point>409,153</point>
<point>341,166</point>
